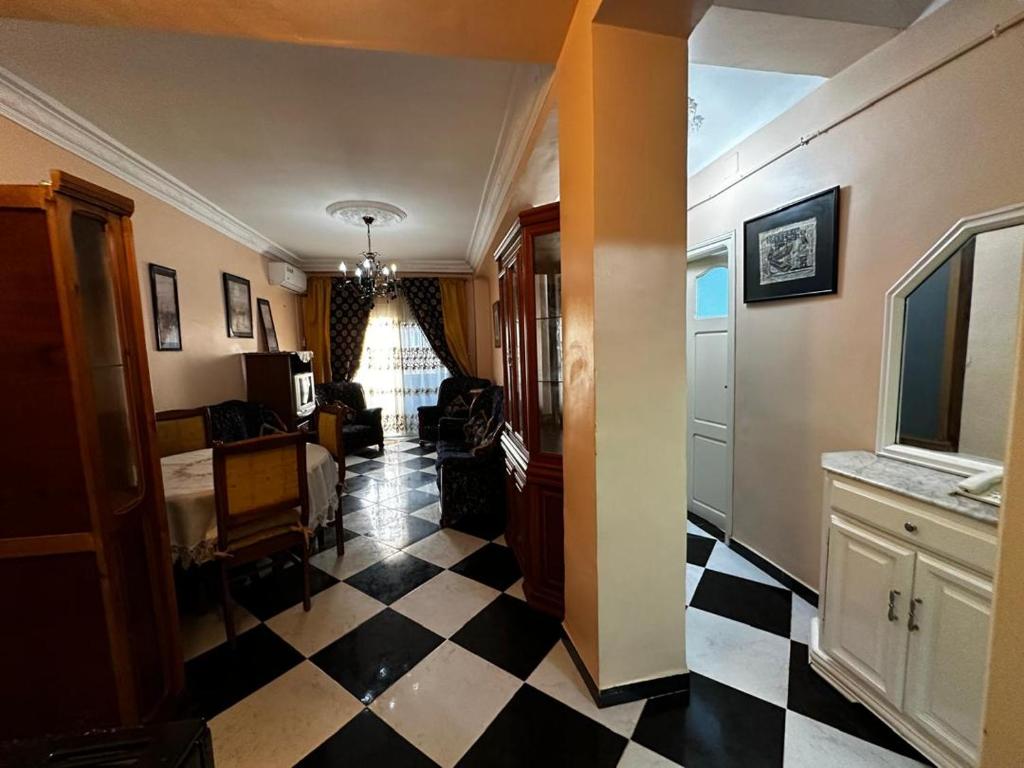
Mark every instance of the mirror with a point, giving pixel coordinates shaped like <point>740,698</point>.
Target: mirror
<point>959,336</point>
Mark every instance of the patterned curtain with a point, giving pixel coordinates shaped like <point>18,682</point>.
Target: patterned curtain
<point>350,314</point>
<point>398,369</point>
<point>424,297</point>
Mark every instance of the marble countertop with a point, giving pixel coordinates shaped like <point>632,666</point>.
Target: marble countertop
<point>921,483</point>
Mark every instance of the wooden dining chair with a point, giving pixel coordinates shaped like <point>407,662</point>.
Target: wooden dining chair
<point>262,502</point>
<point>328,421</point>
<point>182,431</point>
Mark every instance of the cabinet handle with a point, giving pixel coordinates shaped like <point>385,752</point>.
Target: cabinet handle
<point>912,625</point>
<point>910,527</point>
<point>893,594</point>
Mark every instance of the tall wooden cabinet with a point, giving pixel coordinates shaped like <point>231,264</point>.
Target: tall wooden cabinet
<point>91,633</point>
<point>530,278</point>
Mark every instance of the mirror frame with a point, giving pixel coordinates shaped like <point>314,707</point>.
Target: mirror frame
<point>892,344</point>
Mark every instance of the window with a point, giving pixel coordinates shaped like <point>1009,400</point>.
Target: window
<point>712,290</point>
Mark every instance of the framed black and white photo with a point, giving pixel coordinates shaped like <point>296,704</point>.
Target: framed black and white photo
<point>238,306</point>
<point>267,324</point>
<point>496,323</point>
<point>163,286</point>
<point>793,251</point>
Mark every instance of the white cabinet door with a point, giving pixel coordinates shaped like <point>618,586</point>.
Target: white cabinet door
<point>866,572</point>
<point>947,654</point>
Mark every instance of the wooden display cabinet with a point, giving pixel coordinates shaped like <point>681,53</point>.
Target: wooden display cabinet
<point>530,278</point>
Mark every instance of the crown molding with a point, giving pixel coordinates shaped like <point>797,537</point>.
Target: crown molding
<point>528,91</point>
<point>407,267</point>
<point>30,108</point>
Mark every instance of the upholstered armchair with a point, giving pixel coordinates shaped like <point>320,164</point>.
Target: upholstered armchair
<point>453,399</point>
<point>365,428</point>
<point>470,462</point>
<point>235,420</point>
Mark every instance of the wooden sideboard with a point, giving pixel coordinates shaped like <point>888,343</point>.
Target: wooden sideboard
<point>529,274</point>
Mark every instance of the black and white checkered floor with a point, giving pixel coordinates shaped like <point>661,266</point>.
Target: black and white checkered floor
<point>419,650</point>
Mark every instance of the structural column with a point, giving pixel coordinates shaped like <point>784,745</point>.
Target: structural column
<point>621,81</point>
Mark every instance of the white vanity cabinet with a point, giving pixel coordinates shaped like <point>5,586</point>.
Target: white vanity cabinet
<point>903,620</point>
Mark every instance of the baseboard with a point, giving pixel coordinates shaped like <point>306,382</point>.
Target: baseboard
<point>622,694</point>
<point>790,582</point>
<point>709,528</point>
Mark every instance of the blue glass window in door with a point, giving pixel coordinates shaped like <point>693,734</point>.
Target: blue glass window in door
<point>712,289</point>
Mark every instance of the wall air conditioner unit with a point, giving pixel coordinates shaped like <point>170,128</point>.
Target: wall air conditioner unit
<point>288,277</point>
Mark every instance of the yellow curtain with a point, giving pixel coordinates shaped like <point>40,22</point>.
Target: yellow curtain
<point>456,321</point>
<point>316,325</point>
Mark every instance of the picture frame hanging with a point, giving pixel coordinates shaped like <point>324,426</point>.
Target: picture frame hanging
<point>238,306</point>
<point>496,324</point>
<point>163,287</point>
<point>267,324</point>
<point>793,251</point>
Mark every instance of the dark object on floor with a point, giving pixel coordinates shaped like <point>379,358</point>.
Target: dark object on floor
<point>181,744</point>
<point>470,462</point>
<point>453,396</point>
<point>235,420</point>
<point>365,428</point>
<point>262,507</point>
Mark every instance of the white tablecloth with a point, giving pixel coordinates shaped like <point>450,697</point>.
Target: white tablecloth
<point>192,517</point>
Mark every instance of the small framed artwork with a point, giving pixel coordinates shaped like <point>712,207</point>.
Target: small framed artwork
<point>238,306</point>
<point>793,251</point>
<point>267,324</point>
<point>163,285</point>
<point>496,323</point>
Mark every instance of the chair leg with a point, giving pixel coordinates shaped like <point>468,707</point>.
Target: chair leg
<point>306,605</point>
<point>339,540</point>
<point>225,600</point>
<point>382,447</point>
<point>321,538</point>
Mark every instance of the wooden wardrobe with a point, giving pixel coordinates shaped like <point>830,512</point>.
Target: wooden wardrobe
<point>530,280</point>
<point>90,632</point>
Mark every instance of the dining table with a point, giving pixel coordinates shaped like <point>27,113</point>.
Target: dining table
<point>191,509</point>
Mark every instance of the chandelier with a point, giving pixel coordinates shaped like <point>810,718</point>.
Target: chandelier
<point>373,278</point>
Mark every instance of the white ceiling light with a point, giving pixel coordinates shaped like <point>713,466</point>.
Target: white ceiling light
<point>355,212</point>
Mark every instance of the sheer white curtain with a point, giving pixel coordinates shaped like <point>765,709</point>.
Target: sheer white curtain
<point>398,369</point>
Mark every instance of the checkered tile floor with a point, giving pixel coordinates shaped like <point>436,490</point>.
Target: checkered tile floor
<point>420,651</point>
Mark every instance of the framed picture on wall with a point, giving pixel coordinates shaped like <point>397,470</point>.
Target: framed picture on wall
<point>496,323</point>
<point>267,325</point>
<point>793,251</point>
<point>163,286</point>
<point>238,306</point>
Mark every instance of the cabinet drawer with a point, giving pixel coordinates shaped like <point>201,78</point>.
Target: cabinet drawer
<point>961,539</point>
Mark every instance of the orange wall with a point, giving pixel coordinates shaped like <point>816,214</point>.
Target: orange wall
<point>807,370</point>
<point>208,369</point>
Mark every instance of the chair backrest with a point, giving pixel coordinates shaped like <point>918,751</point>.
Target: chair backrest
<point>328,421</point>
<point>454,386</point>
<point>258,485</point>
<point>182,431</point>
<point>348,393</point>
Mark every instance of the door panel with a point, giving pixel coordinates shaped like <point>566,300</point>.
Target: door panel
<point>861,632</point>
<point>948,652</point>
<point>708,368</point>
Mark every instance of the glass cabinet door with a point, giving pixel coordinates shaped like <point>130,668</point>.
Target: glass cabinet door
<point>118,462</point>
<point>547,284</point>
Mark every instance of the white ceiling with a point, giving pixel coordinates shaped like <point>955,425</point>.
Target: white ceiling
<point>273,132</point>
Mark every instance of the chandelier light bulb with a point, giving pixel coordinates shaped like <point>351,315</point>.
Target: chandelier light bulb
<point>342,267</point>
<point>359,272</point>
<point>394,268</point>
<point>366,264</point>
<point>384,271</point>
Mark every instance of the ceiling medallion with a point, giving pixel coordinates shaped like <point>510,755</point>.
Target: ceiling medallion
<point>354,212</point>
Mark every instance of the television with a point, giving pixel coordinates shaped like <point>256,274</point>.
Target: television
<point>305,397</point>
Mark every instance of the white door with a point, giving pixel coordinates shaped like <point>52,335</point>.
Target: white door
<point>867,596</point>
<point>709,381</point>
<point>948,652</point>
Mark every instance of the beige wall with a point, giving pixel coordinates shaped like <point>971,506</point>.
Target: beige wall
<point>807,370</point>
<point>991,340</point>
<point>208,369</point>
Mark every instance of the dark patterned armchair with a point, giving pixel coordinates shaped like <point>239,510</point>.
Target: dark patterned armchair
<point>450,394</point>
<point>470,462</point>
<point>235,420</point>
<point>364,429</point>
